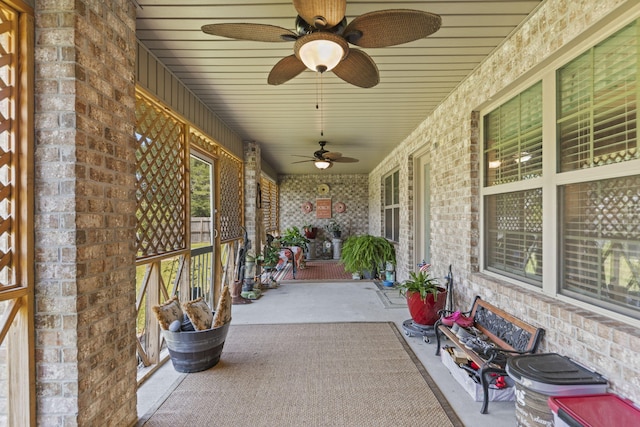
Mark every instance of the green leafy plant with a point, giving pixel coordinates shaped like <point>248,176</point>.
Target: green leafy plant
<point>421,283</point>
<point>293,237</point>
<point>366,253</point>
<point>333,227</point>
<point>270,256</point>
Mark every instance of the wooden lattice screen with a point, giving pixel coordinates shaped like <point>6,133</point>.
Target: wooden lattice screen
<point>269,193</point>
<point>17,329</point>
<point>231,207</point>
<point>7,73</point>
<point>197,139</point>
<point>161,184</point>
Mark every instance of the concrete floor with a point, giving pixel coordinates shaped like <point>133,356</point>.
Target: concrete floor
<point>313,302</point>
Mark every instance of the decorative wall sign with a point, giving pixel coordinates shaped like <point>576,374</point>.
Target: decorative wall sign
<point>340,207</point>
<point>323,208</point>
<point>307,207</point>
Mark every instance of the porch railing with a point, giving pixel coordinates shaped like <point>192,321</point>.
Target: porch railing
<point>160,279</point>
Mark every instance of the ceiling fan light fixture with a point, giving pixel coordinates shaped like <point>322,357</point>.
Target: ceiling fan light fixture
<point>322,164</point>
<point>321,51</point>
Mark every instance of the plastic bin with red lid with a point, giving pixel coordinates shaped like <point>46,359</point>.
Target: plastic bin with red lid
<point>596,410</point>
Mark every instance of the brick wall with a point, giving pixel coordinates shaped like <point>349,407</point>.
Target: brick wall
<point>449,137</point>
<point>84,184</point>
<point>352,190</point>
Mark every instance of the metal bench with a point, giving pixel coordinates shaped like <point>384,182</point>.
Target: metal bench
<point>510,335</point>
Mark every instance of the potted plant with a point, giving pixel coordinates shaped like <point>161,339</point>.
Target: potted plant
<point>366,253</point>
<point>425,297</point>
<point>334,228</point>
<point>270,257</point>
<point>309,231</point>
<point>292,236</point>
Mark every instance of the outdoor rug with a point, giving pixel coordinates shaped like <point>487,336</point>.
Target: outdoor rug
<point>319,270</point>
<point>390,296</point>
<point>323,374</point>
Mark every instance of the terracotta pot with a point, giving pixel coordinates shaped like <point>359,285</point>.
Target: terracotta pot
<point>426,312</point>
<point>310,233</point>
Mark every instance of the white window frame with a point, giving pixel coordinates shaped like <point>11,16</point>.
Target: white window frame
<point>393,206</point>
<point>551,180</point>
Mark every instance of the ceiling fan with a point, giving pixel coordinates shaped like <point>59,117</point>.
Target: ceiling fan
<point>322,39</point>
<point>324,159</point>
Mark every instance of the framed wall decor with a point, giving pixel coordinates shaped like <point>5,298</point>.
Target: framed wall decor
<point>323,208</point>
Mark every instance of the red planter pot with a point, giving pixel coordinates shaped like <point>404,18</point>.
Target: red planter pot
<point>310,233</point>
<point>426,312</point>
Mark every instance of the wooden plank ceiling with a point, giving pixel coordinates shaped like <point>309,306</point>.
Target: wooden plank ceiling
<point>230,76</point>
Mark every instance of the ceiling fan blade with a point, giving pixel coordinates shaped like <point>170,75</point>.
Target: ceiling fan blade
<point>332,155</point>
<point>345,160</point>
<point>321,13</point>
<point>253,32</point>
<point>391,27</point>
<point>358,69</point>
<point>286,69</point>
<point>302,161</point>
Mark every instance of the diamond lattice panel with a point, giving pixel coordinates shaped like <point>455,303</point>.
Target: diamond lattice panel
<point>612,211</point>
<point>161,181</point>
<point>7,70</point>
<point>269,192</point>
<point>198,140</point>
<point>231,206</point>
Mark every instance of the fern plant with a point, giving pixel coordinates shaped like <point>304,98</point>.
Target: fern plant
<point>366,253</point>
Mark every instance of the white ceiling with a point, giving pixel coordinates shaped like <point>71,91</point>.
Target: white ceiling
<point>230,76</point>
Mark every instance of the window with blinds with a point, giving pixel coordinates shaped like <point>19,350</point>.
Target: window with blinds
<point>592,217</point>
<point>597,103</point>
<point>392,206</point>
<point>513,139</point>
<point>513,219</point>
<point>513,235</point>
<point>601,242</point>
<point>600,219</point>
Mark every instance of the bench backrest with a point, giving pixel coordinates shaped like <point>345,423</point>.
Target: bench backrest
<point>504,329</point>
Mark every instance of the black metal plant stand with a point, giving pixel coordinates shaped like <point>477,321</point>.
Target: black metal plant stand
<point>413,329</point>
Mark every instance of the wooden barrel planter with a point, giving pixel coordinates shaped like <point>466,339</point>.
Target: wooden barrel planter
<point>195,351</point>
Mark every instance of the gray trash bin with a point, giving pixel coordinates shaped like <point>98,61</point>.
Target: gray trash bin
<point>538,376</point>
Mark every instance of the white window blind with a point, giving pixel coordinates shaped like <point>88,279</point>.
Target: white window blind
<point>601,242</point>
<point>513,235</point>
<point>597,100</point>
<point>513,139</point>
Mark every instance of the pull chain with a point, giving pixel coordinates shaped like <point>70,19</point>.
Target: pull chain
<point>319,101</point>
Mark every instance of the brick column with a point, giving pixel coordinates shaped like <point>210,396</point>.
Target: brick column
<point>85,212</point>
<point>252,215</point>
